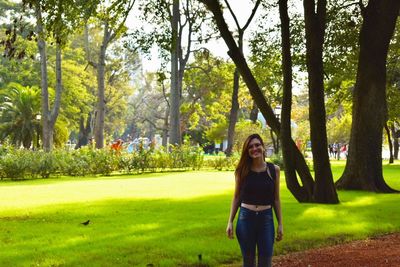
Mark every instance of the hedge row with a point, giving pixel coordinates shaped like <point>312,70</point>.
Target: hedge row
<point>27,164</point>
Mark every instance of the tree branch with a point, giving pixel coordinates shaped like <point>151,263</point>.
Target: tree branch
<point>253,12</point>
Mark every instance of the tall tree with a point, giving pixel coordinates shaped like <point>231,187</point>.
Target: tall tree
<point>315,24</point>
<point>363,169</point>
<point>233,115</point>
<point>304,192</point>
<point>160,13</point>
<point>113,18</point>
<point>58,18</point>
<point>175,131</point>
<point>286,134</point>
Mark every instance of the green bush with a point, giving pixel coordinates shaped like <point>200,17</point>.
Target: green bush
<point>277,159</point>
<point>15,164</point>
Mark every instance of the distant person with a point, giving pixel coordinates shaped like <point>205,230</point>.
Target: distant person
<point>330,149</point>
<point>344,150</point>
<point>256,193</point>
<point>335,148</point>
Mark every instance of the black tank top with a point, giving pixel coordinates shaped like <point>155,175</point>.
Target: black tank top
<point>258,188</point>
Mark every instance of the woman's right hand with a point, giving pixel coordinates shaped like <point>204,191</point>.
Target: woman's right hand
<point>229,230</point>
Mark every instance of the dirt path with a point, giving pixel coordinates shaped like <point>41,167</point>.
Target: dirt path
<point>373,252</point>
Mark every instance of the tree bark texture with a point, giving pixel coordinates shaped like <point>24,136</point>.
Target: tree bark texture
<point>303,193</point>
<point>363,169</point>
<point>174,123</point>
<point>254,113</point>
<point>84,131</point>
<point>395,136</point>
<point>315,23</point>
<point>233,115</point>
<point>101,100</point>
<point>286,135</point>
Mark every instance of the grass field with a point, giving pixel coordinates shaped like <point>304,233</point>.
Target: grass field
<point>166,219</point>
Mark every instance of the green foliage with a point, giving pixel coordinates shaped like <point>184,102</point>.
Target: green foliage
<point>277,159</point>
<point>244,128</point>
<point>338,129</point>
<point>19,106</point>
<point>23,164</point>
<point>15,164</point>
<point>221,162</point>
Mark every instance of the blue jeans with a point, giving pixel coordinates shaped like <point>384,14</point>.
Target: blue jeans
<point>255,229</point>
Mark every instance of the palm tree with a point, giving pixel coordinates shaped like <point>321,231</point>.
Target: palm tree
<point>19,111</point>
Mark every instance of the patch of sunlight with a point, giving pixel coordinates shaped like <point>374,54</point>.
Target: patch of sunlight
<point>144,227</point>
<point>172,186</point>
<point>355,227</point>
<point>319,212</point>
<point>361,201</point>
<point>75,240</point>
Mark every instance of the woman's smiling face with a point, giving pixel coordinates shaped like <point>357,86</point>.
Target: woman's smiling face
<point>255,148</point>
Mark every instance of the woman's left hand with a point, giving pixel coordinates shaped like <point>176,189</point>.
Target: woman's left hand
<point>279,233</point>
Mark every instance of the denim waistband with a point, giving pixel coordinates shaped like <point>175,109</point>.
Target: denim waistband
<point>266,211</point>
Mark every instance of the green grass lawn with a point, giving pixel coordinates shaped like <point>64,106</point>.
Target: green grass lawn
<point>166,219</point>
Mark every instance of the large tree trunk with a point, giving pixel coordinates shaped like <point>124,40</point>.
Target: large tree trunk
<point>175,135</point>
<point>324,191</point>
<point>233,113</point>
<point>303,193</point>
<point>43,83</point>
<point>363,169</point>
<point>101,101</point>
<point>48,117</point>
<point>286,134</point>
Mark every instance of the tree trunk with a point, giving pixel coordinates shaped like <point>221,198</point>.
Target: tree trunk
<point>164,141</point>
<point>324,190</point>
<point>43,82</point>
<point>303,193</point>
<point>175,135</point>
<point>391,160</point>
<point>233,113</point>
<point>395,136</point>
<point>101,101</point>
<point>286,134</point>
<point>84,131</point>
<point>363,169</point>
<point>233,116</point>
<point>254,113</point>
<point>57,101</point>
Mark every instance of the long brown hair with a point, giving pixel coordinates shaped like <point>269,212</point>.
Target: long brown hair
<point>243,167</point>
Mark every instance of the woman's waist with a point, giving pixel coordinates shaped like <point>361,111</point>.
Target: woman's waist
<point>255,207</point>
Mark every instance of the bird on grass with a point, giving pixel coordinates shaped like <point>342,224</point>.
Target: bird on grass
<point>86,223</point>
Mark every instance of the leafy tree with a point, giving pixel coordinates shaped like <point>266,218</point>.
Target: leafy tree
<point>19,108</point>
<point>235,104</point>
<point>58,18</point>
<point>112,17</point>
<point>304,193</point>
<point>176,30</point>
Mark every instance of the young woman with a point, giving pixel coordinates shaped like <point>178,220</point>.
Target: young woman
<point>256,193</point>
